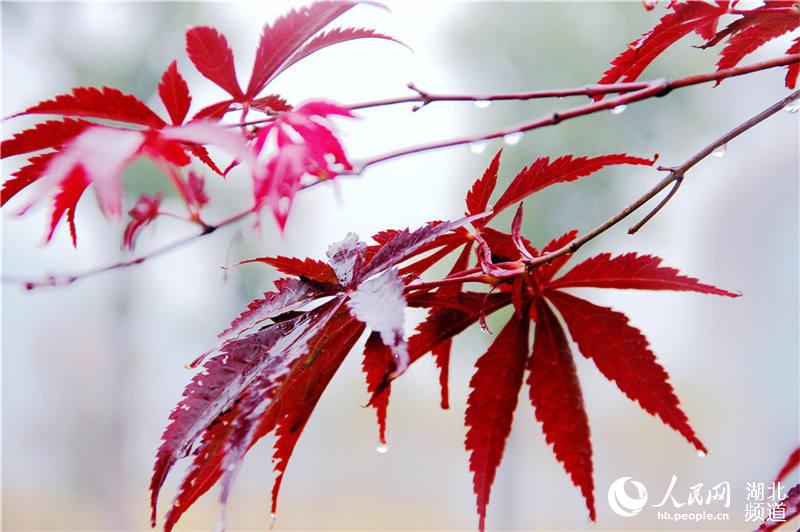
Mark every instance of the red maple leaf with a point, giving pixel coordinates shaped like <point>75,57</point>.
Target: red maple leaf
<point>251,381</point>
<point>289,39</point>
<point>306,269</point>
<point>744,35</point>
<point>754,29</point>
<point>106,103</point>
<point>174,94</point>
<point>619,350</point>
<point>50,134</point>
<point>99,154</point>
<point>316,154</point>
<point>297,144</point>
<point>686,17</point>
<point>210,53</point>
<point>143,212</point>
<point>490,408</point>
<point>253,371</point>
<point>791,464</point>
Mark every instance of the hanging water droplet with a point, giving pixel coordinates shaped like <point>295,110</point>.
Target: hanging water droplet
<point>477,147</point>
<point>701,454</point>
<point>719,151</point>
<point>618,110</point>
<point>792,107</point>
<point>382,448</point>
<point>272,518</point>
<point>513,138</point>
<point>482,104</point>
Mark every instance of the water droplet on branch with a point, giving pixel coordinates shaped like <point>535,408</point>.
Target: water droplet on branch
<point>618,110</point>
<point>482,104</point>
<point>792,107</point>
<point>477,147</point>
<point>719,152</point>
<point>512,138</point>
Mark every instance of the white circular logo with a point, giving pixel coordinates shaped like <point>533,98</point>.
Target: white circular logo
<point>621,502</point>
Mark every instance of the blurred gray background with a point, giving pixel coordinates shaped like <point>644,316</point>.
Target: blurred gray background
<point>91,371</point>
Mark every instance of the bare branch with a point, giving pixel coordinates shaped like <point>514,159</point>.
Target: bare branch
<point>626,93</point>
<point>675,175</point>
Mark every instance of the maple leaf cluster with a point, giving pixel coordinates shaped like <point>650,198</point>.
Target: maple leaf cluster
<point>85,153</point>
<point>270,367</point>
<point>273,363</point>
<point>750,31</point>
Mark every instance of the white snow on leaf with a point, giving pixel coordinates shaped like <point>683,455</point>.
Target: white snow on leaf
<point>381,304</point>
<point>346,258</point>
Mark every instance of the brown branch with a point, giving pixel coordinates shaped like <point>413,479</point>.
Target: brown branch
<point>676,174</point>
<point>627,93</point>
<point>644,91</point>
<point>661,204</point>
<point>424,98</point>
<point>66,279</point>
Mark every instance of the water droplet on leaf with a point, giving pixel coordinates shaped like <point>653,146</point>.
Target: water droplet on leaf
<point>477,147</point>
<point>701,454</point>
<point>382,448</point>
<point>618,110</point>
<point>719,152</point>
<point>482,104</point>
<point>512,138</point>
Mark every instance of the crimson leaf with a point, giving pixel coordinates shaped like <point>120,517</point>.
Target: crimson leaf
<point>174,93</point>
<point>558,402</point>
<point>623,356</point>
<point>209,51</point>
<point>544,172</point>
<point>280,40</point>
<point>687,17</point>
<point>490,408</point>
<point>50,134</point>
<point>106,103</point>
<point>641,272</point>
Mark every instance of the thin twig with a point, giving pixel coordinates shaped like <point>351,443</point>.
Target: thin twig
<point>649,89</point>
<point>423,98</point>
<point>628,93</point>
<point>655,210</point>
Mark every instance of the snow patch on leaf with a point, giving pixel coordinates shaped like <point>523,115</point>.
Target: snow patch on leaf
<point>380,303</point>
<point>347,258</point>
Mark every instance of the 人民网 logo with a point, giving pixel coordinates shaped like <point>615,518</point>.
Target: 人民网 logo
<point>623,504</point>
